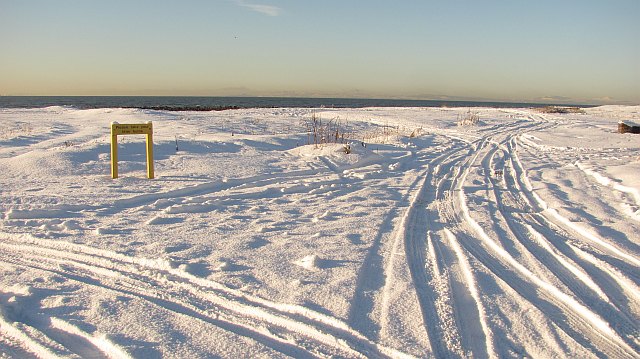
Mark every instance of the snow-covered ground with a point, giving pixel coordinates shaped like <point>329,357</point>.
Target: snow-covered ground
<point>516,237</point>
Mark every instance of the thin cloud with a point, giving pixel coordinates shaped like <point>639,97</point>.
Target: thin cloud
<point>605,99</point>
<point>268,10</point>
<point>554,98</point>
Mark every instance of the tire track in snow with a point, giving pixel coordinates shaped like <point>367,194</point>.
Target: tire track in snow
<point>551,219</point>
<point>476,336</point>
<point>374,277</point>
<point>592,328</point>
<point>632,195</point>
<point>261,335</point>
<point>371,278</point>
<point>45,336</point>
<point>438,322</point>
<point>455,326</point>
<point>459,185</point>
<point>473,290</point>
<point>554,216</point>
<point>428,266</point>
<point>516,217</point>
<point>32,342</point>
<point>598,274</point>
<point>203,189</point>
<point>433,282</point>
<point>561,238</point>
<point>234,311</point>
<point>582,287</point>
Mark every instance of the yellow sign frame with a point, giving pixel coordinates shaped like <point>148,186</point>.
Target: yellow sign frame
<point>131,129</point>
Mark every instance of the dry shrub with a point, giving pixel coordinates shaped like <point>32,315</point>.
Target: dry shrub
<point>469,119</point>
<point>320,132</point>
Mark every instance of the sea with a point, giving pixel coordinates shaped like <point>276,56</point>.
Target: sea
<point>184,103</point>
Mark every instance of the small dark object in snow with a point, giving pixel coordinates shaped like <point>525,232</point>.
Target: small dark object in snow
<point>624,128</point>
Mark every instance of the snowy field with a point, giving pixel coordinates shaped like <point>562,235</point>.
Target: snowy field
<point>516,237</point>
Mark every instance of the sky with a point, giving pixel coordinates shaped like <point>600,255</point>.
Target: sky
<point>577,51</point>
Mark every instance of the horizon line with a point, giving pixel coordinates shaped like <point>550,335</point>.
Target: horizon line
<point>540,102</point>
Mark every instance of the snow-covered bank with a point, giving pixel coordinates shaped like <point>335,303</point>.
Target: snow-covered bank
<point>514,237</point>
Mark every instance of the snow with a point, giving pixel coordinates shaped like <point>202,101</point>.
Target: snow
<point>516,236</point>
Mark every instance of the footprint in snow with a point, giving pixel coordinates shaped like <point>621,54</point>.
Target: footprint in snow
<point>314,262</point>
<point>257,243</point>
<point>310,262</point>
<point>229,266</point>
<point>198,269</point>
<point>163,220</point>
<point>177,247</point>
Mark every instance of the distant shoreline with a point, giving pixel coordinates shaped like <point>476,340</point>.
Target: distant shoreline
<point>195,103</point>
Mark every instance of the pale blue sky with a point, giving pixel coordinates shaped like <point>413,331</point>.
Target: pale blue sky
<point>510,50</point>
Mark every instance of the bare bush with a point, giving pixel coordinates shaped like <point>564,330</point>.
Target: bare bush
<point>416,132</point>
<point>469,119</point>
<point>320,132</point>
<point>18,129</point>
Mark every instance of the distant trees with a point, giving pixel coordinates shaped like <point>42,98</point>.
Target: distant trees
<point>561,109</point>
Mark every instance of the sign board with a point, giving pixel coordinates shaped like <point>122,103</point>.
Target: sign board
<point>131,129</point>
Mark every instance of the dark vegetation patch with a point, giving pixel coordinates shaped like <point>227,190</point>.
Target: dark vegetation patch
<point>561,109</point>
<point>186,108</point>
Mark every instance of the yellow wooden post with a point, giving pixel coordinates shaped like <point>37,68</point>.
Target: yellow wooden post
<point>150,150</point>
<point>131,129</point>
<point>114,150</point>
